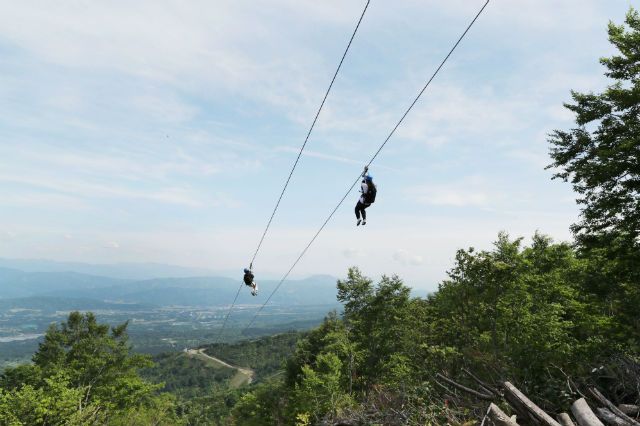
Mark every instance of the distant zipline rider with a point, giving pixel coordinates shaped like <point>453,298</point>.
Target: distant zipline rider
<point>369,191</point>
<point>248,280</point>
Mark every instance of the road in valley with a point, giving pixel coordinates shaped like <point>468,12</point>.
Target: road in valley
<point>244,375</point>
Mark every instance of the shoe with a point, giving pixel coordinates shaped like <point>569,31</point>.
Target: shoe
<point>254,292</point>
<point>364,222</point>
<point>359,220</point>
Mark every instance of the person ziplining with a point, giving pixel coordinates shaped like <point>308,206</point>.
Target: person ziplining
<point>248,280</point>
<point>368,193</point>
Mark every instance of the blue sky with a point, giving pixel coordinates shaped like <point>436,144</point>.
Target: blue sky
<point>163,131</point>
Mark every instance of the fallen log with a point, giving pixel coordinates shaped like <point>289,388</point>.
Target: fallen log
<point>464,388</point>
<point>565,420</point>
<point>629,409</point>
<point>583,414</point>
<point>523,404</point>
<point>609,418</point>
<point>499,417</point>
<point>615,410</point>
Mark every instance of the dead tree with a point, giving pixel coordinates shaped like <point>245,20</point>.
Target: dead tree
<point>527,408</point>
<point>583,414</point>
<point>499,417</point>
<point>612,408</point>
<point>629,409</point>
<point>609,418</point>
<point>565,420</point>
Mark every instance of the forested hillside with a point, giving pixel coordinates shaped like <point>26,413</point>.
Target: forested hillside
<point>266,356</point>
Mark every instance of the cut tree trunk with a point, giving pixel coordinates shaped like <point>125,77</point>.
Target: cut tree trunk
<point>629,409</point>
<point>523,404</point>
<point>565,420</point>
<point>615,410</point>
<point>498,417</point>
<point>609,418</point>
<point>583,414</point>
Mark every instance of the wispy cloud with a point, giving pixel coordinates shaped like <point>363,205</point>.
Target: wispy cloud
<point>405,258</point>
<point>171,195</point>
<point>112,245</point>
<point>473,191</point>
<point>315,154</point>
<point>353,253</point>
<point>6,236</point>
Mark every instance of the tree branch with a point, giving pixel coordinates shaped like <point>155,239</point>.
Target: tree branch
<point>465,389</point>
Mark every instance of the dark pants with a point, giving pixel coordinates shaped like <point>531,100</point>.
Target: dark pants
<point>360,210</point>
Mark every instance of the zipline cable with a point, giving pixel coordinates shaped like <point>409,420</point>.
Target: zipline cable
<point>368,164</point>
<point>286,184</point>
<point>306,139</point>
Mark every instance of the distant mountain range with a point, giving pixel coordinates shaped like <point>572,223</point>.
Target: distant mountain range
<point>49,305</point>
<point>131,271</point>
<point>187,291</point>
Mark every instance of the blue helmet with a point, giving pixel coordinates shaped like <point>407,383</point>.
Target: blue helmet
<point>369,178</point>
<point>247,271</point>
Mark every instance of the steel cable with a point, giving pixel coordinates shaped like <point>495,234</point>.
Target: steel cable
<point>368,164</point>
<point>286,184</point>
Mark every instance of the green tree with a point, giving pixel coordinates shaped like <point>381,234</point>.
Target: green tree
<point>55,403</point>
<point>82,368</point>
<point>320,391</point>
<point>96,358</point>
<point>264,405</point>
<point>601,158</point>
<point>377,320</point>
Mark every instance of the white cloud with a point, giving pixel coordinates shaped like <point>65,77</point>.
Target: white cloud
<point>169,195</point>
<point>42,200</point>
<point>560,113</point>
<point>130,165</point>
<point>353,253</point>
<point>112,245</point>
<point>471,191</point>
<point>7,236</point>
<point>164,108</point>
<point>200,46</point>
<point>534,158</point>
<point>405,258</point>
<point>452,113</point>
<point>314,154</point>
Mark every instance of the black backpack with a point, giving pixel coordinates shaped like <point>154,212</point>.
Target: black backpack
<point>370,196</point>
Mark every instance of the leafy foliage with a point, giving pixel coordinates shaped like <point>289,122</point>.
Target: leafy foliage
<point>520,312</point>
<point>266,356</point>
<point>82,371</point>
<point>602,155</point>
<point>601,158</point>
<point>186,376</point>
